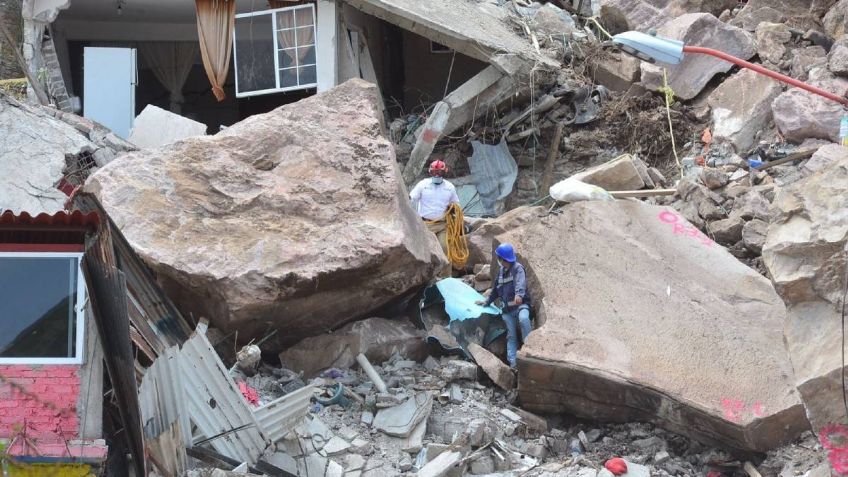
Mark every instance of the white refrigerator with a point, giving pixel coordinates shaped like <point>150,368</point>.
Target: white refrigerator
<point>109,79</point>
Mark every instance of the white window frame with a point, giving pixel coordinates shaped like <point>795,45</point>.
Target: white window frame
<point>278,89</point>
<point>79,310</point>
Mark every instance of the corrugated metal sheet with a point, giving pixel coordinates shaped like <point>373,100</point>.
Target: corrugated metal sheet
<point>156,322</point>
<point>59,228</point>
<point>280,415</point>
<point>193,386</point>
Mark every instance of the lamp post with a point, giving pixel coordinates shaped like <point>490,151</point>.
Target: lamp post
<point>664,50</point>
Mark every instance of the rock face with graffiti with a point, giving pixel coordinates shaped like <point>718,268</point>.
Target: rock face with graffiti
<point>643,317</point>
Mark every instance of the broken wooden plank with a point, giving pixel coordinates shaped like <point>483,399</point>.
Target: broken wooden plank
<point>548,175</point>
<point>790,158</point>
<point>623,194</point>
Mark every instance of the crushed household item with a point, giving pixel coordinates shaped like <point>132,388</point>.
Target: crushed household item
<point>574,190</point>
<point>351,242</point>
<point>452,319</point>
<point>494,171</point>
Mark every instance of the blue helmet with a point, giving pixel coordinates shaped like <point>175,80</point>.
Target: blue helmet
<point>505,252</point>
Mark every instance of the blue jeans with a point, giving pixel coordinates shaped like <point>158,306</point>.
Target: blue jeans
<point>512,324</point>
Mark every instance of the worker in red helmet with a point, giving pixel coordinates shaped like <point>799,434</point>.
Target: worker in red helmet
<point>431,198</point>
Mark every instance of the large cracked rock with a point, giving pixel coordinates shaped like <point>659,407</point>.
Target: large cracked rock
<point>805,253</point>
<point>294,220</point>
<point>644,318</point>
<point>801,115</point>
<point>691,76</point>
<point>741,108</point>
<point>640,15</point>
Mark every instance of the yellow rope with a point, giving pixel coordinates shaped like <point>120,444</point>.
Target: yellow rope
<point>669,99</point>
<point>455,231</point>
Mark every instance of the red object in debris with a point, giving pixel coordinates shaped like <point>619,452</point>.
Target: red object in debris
<point>714,473</point>
<point>249,393</point>
<point>616,465</point>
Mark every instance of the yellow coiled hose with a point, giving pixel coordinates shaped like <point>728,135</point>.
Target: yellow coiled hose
<point>456,240</point>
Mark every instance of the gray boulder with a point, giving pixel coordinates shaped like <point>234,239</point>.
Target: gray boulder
<point>691,76</point>
<point>741,108</point>
<point>294,220</point>
<point>641,317</point>
<point>800,115</point>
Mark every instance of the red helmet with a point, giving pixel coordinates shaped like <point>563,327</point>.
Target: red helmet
<point>438,168</point>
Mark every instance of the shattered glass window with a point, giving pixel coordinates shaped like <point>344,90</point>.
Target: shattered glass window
<point>39,297</point>
<point>280,58</point>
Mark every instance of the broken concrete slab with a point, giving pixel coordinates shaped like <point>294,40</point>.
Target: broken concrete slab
<point>33,153</point>
<point>805,254</point>
<point>377,338</point>
<point>704,306</point>
<point>156,127</point>
<point>496,369</point>
<point>414,441</point>
<point>441,465</point>
<point>293,220</point>
<point>401,421</point>
<point>620,173</point>
<point>741,108</point>
<point>691,76</point>
<point>800,115</point>
<point>457,369</point>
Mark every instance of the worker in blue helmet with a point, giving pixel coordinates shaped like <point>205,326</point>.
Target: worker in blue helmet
<point>511,288</point>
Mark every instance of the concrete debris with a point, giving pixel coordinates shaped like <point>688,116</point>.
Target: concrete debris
<point>691,76</point>
<point>498,371</point>
<point>741,108</point>
<point>739,299</point>
<point>351,241</point>
<point>800,115</point>
<point>45,153</point>
<point>622,173</point>
<point>156,127</point>
<point>377,338</point>
<point>457,369</point>
<point>400,421</point>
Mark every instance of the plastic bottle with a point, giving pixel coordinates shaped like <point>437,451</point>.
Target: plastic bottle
<point>843,130</point>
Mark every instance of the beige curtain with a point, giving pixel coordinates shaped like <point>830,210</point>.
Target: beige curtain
<point>171,62</point>
<point>215,20</point>
<point>304,36</point>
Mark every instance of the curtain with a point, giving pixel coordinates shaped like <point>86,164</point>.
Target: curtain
<point>171,62</point>
<point>215,20</point>
<point>303,36</point>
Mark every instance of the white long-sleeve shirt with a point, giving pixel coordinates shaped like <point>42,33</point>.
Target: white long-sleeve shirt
<point>432,200</point>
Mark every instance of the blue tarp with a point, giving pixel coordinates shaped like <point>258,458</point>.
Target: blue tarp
<point>452,320</point>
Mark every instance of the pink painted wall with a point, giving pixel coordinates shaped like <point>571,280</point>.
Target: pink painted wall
<point>40,401</point>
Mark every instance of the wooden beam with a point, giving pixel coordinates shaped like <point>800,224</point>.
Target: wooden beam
<point>790,158</point>
<point>548,175</point>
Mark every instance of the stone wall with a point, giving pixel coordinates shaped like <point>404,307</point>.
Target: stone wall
<point>10,16</point>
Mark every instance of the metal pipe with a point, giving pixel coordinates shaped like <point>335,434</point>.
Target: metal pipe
<point>371,372</point>
<point>765,71</point>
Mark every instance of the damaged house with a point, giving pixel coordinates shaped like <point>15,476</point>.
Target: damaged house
<point>218,61</point>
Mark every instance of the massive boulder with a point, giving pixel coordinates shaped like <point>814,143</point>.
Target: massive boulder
<point>624,15</point>
<point>691,76</point>
<point>741,108</point>
<point>642,317</point>
<point>294,220</point>
<point>797,14</point>
<point>800,115</point>
<point>805,253</point>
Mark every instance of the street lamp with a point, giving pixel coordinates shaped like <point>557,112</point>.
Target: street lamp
<point>663,50</point>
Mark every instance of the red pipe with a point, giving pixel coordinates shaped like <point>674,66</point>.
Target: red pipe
<point>767,72</point>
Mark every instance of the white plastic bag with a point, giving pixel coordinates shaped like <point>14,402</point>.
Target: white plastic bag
<point>573,190</point>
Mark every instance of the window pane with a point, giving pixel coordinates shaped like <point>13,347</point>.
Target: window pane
<point>287,58</point>
<point>254,47</point>
<point>285,19</point>
<point>37,300</point>
<point>286,38</point>
<point>288,78</point>
<point>308,75</point>
<point>306,56</point>
<point>305,36</point>
<point>304,17</point>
